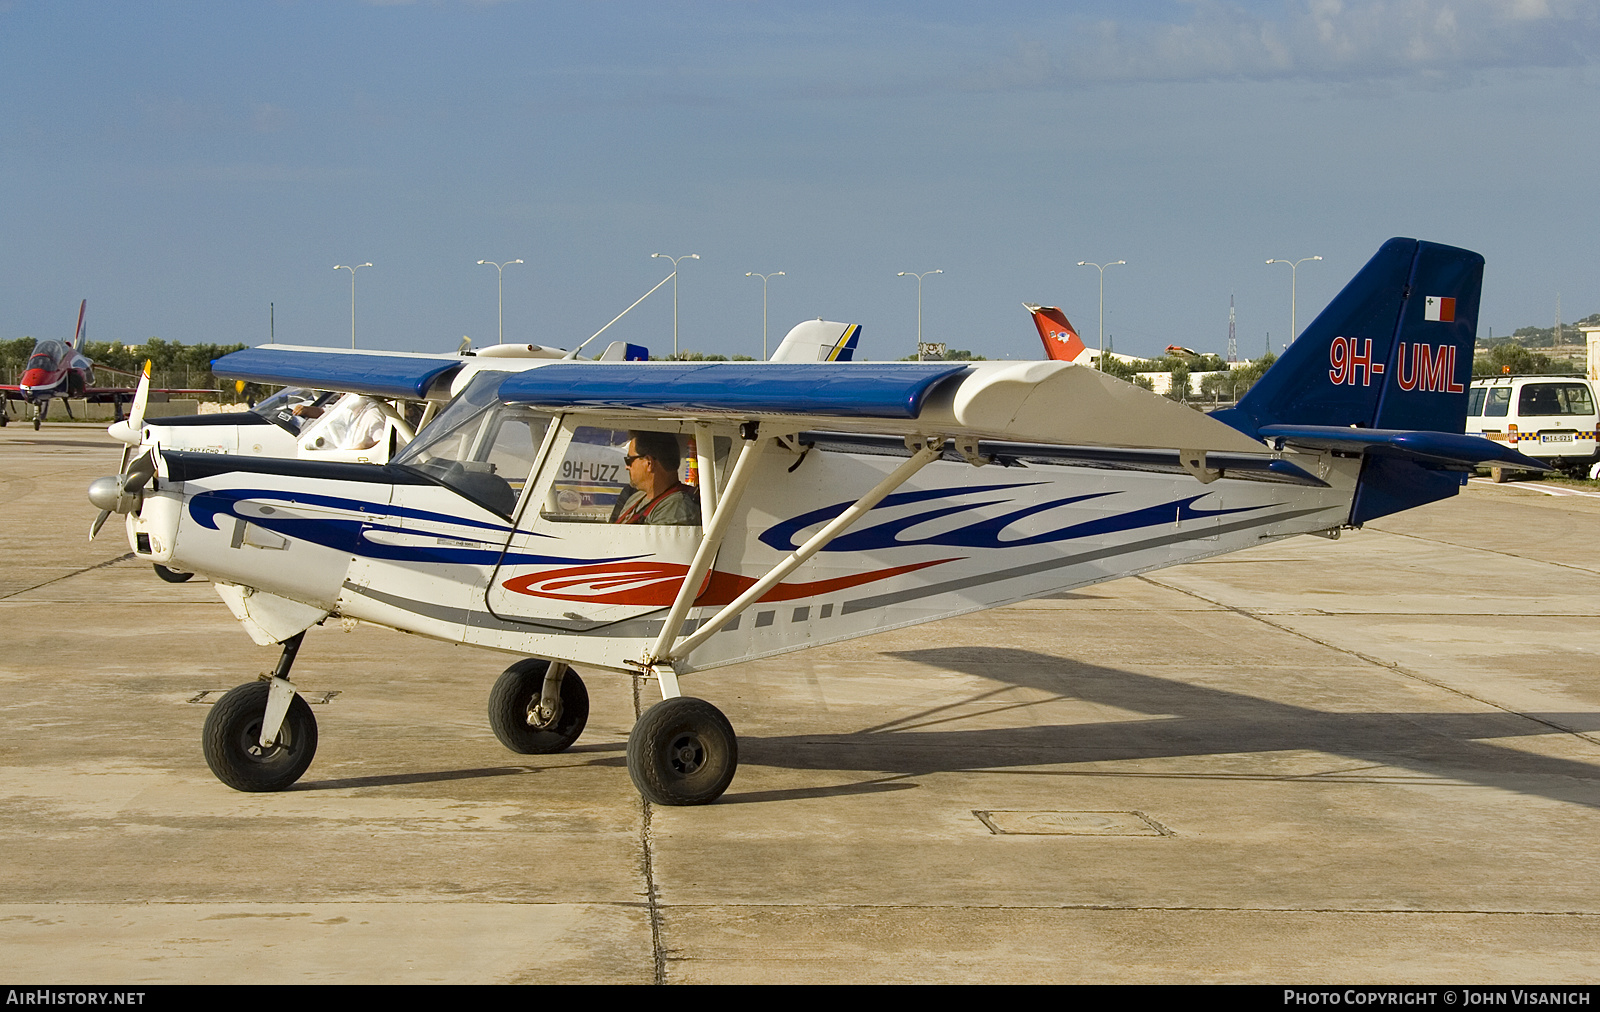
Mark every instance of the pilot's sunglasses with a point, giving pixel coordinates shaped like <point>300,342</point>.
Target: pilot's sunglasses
<point>630,458</point>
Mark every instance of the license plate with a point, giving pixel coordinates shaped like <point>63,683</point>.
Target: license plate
<point>1555,437</point>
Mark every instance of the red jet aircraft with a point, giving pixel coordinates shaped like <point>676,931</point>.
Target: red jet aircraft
<point>59,369</point>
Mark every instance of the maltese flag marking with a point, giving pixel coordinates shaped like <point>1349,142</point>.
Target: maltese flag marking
<point>1440,309</point>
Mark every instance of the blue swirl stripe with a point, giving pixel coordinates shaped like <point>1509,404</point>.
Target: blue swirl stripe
<point>986,533</point>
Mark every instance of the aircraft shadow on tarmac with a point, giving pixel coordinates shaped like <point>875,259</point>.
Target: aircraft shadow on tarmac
<point>1189,721</point>
<point>402,779</point>
<point>1192,721</point>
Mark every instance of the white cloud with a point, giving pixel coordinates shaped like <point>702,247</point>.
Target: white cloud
<point>1325,40</point>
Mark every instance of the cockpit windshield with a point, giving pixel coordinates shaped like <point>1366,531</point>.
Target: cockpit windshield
<point>292,407</point>
<point>47,355</point>
<point>480,447</point>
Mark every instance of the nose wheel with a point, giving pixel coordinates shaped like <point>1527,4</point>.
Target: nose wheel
<point>682,752</point>
<point>232,741</point>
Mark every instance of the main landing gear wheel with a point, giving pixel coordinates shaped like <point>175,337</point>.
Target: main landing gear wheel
<point>514,705</point>
<point>682,752</point>
<point>232,741</point>
<point>171,575</point>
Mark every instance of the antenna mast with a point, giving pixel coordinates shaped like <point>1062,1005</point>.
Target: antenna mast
<point>1233,344</point>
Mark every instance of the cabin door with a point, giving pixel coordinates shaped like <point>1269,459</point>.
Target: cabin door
<point>569,566</point>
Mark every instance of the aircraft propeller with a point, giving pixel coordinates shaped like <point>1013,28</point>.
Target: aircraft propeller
<point>121,493</point>
<point>131,429</point>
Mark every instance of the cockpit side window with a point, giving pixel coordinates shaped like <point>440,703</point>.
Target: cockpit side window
<point>592,480</point>
<point>595,482</point>
<point>353,422</point>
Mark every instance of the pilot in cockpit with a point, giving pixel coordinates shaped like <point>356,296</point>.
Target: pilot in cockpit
<point>661,498</point>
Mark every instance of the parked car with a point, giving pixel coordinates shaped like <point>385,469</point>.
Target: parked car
<point>1552,418</point>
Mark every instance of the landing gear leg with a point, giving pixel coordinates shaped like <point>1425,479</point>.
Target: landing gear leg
<point>39,412</point>
<point>262,736</point>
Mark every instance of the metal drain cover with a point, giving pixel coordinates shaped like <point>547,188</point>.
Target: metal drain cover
<point>1015,823</point>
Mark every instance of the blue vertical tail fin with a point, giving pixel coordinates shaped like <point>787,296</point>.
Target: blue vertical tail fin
<point>1383,371</point>
<point>1393,350</point>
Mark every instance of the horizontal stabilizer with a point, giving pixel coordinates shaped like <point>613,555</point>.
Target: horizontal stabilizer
<point>1443,448</point>
<point>377,373</point>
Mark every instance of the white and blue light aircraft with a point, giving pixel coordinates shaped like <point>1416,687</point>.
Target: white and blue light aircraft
<point>835,500</point>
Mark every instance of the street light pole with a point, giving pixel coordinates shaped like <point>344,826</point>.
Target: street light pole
<point>919,277</point>
<point>763,277</point>
<point>686,256</point>
<point>1294,270</point>
<point>352,270</point>
<point>502,269</point>
<point>1100,363</point>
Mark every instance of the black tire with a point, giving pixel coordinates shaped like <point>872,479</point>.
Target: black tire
<point>682,752</point>
<point>516,692</point>
<point>232,741</point>
<point>36,421</point>
<point>171,575</point>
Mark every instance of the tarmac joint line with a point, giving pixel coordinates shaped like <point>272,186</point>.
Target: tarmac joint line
<point>1394,666</point>
<point>67,576</point>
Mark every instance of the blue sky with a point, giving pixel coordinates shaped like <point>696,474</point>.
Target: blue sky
<point>184,165</point>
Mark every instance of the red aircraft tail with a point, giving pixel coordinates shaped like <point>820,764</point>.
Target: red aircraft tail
<point>1061,341</point>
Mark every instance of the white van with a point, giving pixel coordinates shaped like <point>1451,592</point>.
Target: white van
<point>1553,418</point>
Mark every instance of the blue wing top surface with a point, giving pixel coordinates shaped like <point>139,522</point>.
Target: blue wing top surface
<point>404,376</point>
<point>857,390</point>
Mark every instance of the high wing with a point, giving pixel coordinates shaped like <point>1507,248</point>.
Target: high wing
<point>1046,402</point>
<point>378,373</point>
<point>391,374</point>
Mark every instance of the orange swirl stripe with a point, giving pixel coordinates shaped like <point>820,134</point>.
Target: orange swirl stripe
<point>655,584</point>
